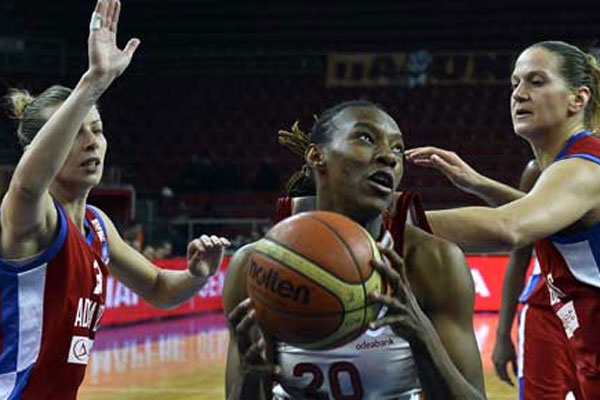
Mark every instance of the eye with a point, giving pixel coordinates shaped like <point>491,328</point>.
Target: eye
<point>398,149</point>
<point>513,85</point>
<point>537,82</point>
<point>366,136</point>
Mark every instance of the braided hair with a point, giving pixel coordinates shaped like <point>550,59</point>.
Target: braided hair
<point>302,182</point>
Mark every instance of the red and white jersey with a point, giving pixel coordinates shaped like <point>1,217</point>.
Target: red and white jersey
<point>51,307</point>
<point>378,365</point>
<point>571,263</point>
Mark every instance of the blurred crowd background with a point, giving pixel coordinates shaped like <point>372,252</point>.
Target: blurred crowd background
<point>192,127</point>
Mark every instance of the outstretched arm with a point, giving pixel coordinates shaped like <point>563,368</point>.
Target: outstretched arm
<point>442,341</point>
<point>161,287</point>
<point>28,213</point>
<point>564,194</point>
<point>462,175</point>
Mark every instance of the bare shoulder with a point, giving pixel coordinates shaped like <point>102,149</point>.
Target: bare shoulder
<point>437,269</point>
<point>235,281</point>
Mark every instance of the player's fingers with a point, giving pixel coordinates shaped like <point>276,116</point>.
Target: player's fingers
<point>254,353</point>
<point>397,262</point>
<point>235,316</point>
<point>442,165</point>
<point>100,6</point>
<point>195,247</point>
<point>502,372</point>
<point>390,277</point>
<point>422,152</point>
<point>205,239</point>
<point>108,14</point>
<point>131,47</point>
<point>115,16</point>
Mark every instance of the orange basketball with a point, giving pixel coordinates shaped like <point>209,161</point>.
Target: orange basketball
<point>309,279</point>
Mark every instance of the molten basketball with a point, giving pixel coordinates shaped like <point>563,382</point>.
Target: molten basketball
<point>309,279</point>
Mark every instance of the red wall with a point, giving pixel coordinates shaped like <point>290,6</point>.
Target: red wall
<point>123,306</point>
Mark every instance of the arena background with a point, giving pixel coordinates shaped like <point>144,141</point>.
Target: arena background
<point>192,130</point>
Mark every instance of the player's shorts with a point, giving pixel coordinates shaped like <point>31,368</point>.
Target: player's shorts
<point>546,364</point>
<point>580,319</point>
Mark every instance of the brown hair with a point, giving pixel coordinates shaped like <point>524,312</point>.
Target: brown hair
<point>29,110</point>
<point>579,69</point>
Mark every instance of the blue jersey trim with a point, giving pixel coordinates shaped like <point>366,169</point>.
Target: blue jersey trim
<point>90,232</point>
<point>103,225</point>
<point>588,157</point>
<point>578,236</point>
<point>570,142</point>
<point>48,254</point>
<point>22,379</point>
<point>9,284</point>
<point>531,285</point>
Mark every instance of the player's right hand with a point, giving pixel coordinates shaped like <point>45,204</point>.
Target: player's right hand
<point>504,353</point>
<point>250,342</point>
<point>461,174</point>
<point>106,60</point>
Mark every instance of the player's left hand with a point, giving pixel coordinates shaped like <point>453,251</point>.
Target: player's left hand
<point>404,314</point>
<point>204,255</point>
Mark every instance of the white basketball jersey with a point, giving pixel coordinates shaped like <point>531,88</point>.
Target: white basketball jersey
<point>376,366</point>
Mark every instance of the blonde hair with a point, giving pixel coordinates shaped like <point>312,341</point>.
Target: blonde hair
<point>29,110</point>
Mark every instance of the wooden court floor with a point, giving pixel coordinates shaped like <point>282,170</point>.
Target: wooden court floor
<point>184,359</point>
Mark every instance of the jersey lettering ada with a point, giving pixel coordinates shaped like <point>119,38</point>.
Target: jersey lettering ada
<point>51,308</point>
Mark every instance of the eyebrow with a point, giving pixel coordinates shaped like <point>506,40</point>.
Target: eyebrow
<point>376,128</point>
<point>530,73</point>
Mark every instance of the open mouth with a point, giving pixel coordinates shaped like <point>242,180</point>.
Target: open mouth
<point>91,162</point>
<point>522,113</point>
<point>383,180</point>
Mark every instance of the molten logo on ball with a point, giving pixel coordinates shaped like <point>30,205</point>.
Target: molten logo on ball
<point>270,280</point>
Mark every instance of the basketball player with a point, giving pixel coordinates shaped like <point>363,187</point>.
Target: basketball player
<point>545,366</point>
<point>355,153</point>
<point>555,105</point>
<point>55,249</point>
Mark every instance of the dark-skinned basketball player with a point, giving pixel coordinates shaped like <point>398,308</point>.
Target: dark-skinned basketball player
<point>355,156</point>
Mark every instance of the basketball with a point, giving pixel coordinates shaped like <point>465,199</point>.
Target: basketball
<point>309,278</point>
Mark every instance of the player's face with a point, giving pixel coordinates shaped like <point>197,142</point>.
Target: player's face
<point>540,96</point>
<point>85,162</point>
<point>364,160</point>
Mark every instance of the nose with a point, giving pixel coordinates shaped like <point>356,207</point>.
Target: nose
<point>519,94</point>
<point>91,140</point>
<point>387,157</point>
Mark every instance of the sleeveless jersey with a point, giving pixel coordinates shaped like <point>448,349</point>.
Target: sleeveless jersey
<point>51,307</point>
<point>378,365</point>
<point>570,263</point>
<point>535,292</point>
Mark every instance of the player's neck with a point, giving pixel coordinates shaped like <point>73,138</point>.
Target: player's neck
<point>74,206</point>
<point>547,146</point>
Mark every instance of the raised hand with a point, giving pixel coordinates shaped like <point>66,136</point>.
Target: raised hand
<point>461,174</point>
<point>503,354</point>
<point>106,60</point>
<point>404,314</point>
<point>204,255</point>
